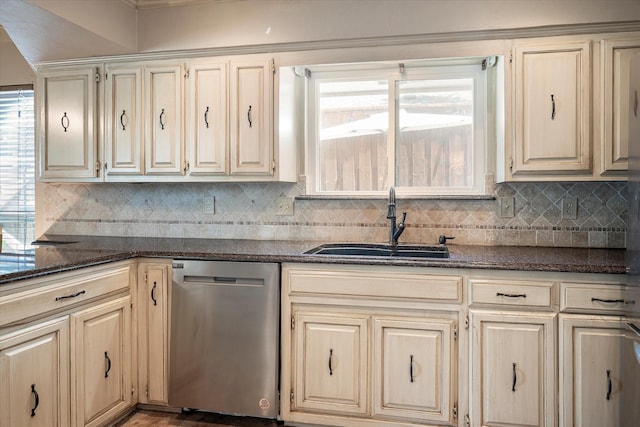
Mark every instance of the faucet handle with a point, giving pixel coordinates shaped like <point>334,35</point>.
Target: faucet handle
<point>404,216</point>
<point>443,239</point>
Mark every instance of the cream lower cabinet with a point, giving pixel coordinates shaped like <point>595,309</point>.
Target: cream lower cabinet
<point>34,373</point>
<point>101,355</point>
<point>513,369</point>
<point>369,346</point>
<point>153,325</point>
<point>414,366</point>
<point>331,362</point>
<point>593,384</point>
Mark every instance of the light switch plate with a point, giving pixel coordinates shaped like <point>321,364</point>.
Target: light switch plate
<point>284,206</point>
<point>569,207</point>
<point>506,207</point>
<point>209,205</point>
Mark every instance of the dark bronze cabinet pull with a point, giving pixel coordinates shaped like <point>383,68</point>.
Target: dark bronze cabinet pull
<point>553,108</point>
<point>153,294</point>
<point>122,116</point>
<point>635,103</point>
<point>206,117</point>
<point>62,122</point>
<point>501,294</point>
<point>608,384</point>
<point>77,294</point>
<point>36,400</point>
<point>515,378</point>
<point>249,117</point>
<point>330,361</point>
<point>608,301</point>
<point>411,367</point>
<point>106,357</point>
<point>161,120</point>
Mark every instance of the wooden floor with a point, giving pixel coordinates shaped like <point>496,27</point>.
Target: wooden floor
<point>142,418</point>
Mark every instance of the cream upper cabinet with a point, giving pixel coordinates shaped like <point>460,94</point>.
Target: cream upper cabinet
<point>124,123</point>
<point>251,117</point>
<point>619,102</point>
<point>34,376</point>
<point>513,369</point>
<point>331,371</point>
<point>153,327</point>
<point>414,369</point>
<point>207,126</point>
<point>552,110</point>
<point>164,118</point>
<point>101,356</point>
<point>592,382</point>
<point>67,125</point>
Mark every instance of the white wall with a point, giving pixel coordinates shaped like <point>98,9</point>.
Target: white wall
<point>14,70</point>
<point>255,22</point>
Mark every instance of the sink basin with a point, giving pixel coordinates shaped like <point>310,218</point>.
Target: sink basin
<point>376,250</point>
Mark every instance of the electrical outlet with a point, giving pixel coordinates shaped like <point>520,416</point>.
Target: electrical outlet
<point>284,206</point>
<point>569,207</point>
<point>506,207</point>
<point>209,205</point>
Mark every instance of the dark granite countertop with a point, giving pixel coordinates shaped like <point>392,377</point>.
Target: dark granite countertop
<point>70,252</point>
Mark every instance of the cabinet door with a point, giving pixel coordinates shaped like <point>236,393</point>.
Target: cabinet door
<point>101,362</point>
<point>34,376</point>
<point>124,124</point>
<point>415,369</point>
<point>68,124</point>
<point>620,98</point>
<point>552,109</point>
<point>592,385</point>
<point>513,369</point>
<point>251,105</point>
<point>153,349</point>
<point>331,363</point>
<point>207,119</point>
<point>163,112</point>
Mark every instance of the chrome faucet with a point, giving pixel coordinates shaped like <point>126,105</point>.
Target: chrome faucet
<point>396,230</point>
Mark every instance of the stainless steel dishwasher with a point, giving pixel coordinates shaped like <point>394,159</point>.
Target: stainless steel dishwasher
<point>224,349</point>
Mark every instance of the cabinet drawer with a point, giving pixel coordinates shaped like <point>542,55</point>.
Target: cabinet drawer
<point>511,293</point>
<point>595,298</point>
<point>57,293</point>
<point>376,283</point>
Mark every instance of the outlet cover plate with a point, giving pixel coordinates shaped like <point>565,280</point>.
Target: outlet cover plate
<point>209,205</point>
<point>506,207</point>
<point>569,207</point>
<point>284,206</point>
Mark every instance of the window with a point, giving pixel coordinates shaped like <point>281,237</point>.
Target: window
<point>17,174</point>
<point>419,126</point>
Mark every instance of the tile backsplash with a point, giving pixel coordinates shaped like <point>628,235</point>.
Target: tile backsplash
<point>250,211</point>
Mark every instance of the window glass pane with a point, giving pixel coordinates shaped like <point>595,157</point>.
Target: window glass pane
<point>17,176</point>
<point>434,137</point>
<point>353,119</point>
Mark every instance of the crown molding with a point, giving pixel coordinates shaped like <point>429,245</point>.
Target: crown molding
<point>466,36</point>
<point>154,4</point>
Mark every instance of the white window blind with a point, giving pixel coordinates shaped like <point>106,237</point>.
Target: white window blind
<point>17,169</point>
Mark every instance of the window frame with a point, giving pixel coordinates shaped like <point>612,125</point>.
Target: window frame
<point>393,72</point>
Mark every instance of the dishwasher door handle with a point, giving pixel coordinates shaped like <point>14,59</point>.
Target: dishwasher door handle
<point>224,280</point>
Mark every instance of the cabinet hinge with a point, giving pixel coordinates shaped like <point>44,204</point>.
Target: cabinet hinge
<point>273,66</point>
<point>97,77</point>
<point>273,166</point>
<point>146,390</point>
<point>466,322</point>
<point>145,278</point>
<point>511,58</point>
<point>455,333</point>
<point>467,420</point>
<point>454,411</point>
<point>291,396</point>
<point>98,166</point>
<point>133,390</point>
<point>105,166</point>
<point>511,163</point>
<point>293,322</point>
<point>186,74</point>
<point>186,167</point>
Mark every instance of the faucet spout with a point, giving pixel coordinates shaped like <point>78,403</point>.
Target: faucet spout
<point>395,229</point>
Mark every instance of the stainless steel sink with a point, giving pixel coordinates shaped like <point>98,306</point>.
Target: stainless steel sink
<point>378,250</point>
